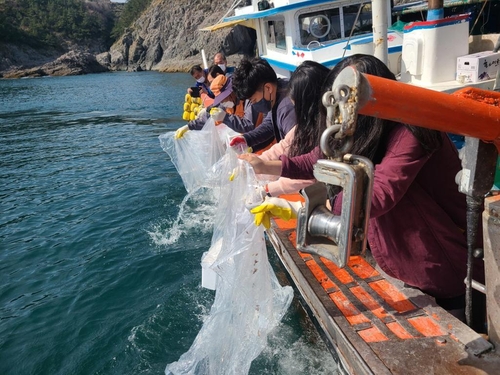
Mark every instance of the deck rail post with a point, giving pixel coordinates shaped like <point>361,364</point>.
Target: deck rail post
<point>491,225</point>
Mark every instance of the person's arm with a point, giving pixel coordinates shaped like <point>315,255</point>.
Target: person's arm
<point>241,125</point>
<point>262,133</point>
<point>279,148</point>
<point>285,117</point>
<point>300,167</point>
<point>199,122</point>
<point>272,167</point>
<point>287,186</point>
<point>238,124</point>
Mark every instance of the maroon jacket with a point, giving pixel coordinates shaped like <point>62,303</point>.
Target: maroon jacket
<point>418,216</point>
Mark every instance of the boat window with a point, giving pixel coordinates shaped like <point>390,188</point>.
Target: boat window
<point>276,34</point>
<point>363,24</point>
<point>319,27</point>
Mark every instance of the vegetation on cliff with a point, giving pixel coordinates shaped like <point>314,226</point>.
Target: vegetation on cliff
<point>138,35</point>
<point>131,12</point>
<point>40,23</point>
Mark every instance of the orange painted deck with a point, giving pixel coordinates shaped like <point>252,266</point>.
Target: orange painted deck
<point>375,324</point>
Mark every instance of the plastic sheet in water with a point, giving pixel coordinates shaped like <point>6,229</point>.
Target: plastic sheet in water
<point>249,301</point>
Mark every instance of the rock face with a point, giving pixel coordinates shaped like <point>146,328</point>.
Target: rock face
<point>71,63</point>
<point>167,37</point>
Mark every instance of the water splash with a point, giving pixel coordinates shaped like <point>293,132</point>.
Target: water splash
<point>195,213</point>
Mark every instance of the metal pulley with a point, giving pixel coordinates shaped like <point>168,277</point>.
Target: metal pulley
<point>336,237</point>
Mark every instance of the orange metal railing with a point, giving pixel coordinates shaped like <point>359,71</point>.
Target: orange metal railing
<point>470,111</point>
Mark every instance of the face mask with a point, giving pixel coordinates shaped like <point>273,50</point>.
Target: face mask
<point>262,105</point>
<point>222,66</point>
<point>201,79</point>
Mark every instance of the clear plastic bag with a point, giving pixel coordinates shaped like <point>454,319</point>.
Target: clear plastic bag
<point>194,154</point>
<point>249,301</point>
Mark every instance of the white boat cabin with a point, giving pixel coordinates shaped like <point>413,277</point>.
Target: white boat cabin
<point>292,31</point>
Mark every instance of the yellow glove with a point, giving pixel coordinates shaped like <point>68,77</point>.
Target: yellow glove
<point>181,131</point>
<point>217,114</point>
<point>275,207</point>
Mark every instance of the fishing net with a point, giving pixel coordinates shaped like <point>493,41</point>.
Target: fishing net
<point>249,301</point>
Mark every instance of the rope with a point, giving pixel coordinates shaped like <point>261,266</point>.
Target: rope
<point>477,18</point>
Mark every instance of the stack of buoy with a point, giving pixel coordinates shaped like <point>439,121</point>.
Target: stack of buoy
<point>192,106</point>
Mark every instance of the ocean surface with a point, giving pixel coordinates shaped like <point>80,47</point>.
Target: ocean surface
<point>99,273</point>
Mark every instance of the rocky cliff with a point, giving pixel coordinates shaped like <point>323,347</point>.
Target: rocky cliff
<point>167,37</point>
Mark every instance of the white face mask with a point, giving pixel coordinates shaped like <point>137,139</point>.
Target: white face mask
<point>201,79</point>
<point>227,105</point>
<point>222,66</point>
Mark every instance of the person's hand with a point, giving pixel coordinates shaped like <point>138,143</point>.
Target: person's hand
<point>272,167</point>
<point>237,140</point>
<point>218,115</point>
<point>181,131</point>
<point>239,144</point>
<point>275,207</point>
<point>257,163</point>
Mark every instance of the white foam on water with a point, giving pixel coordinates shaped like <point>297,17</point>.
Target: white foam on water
<point>296,356</point>
<point>195,213</point>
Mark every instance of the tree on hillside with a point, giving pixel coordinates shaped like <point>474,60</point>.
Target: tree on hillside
<point>48,22</point>
<point>131,12</point>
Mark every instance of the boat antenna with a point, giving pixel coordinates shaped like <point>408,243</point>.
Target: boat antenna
<point>352,28</point>
<point>477,18</point>
<point>231,8</point>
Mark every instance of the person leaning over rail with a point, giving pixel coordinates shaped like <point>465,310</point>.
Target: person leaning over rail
<point>256,81</point>
<point>227,109</point>
<point>306,86</point>
<point>418,217</point>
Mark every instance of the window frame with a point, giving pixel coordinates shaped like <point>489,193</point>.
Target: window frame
<point>342,33</point>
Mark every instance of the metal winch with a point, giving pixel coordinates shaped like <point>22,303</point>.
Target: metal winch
<point>319,231</point>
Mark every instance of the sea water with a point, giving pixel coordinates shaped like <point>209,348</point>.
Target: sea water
<point>99,271</point>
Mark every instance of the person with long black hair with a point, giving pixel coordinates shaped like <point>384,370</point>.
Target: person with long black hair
<point>305,88</point>
<point>418,217</point>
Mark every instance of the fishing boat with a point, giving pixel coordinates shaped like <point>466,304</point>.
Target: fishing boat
<point>289,32</point>
<point>372,323</point>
